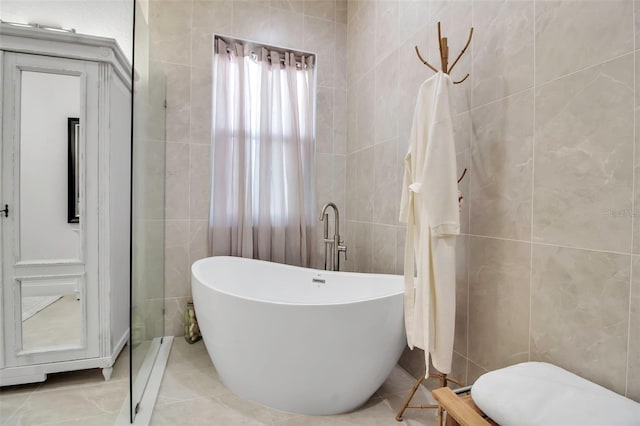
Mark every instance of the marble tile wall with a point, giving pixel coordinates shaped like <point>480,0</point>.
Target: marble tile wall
<point>181,32</point>
<point>549,260</point>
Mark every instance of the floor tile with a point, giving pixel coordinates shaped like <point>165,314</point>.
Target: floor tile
<point>9,404</point>
<point>247,408</point>
<point>201,411</point>
<point>312,421</point>
<point>102,420</point>
<point>415,416</point>
<point>281,416</point>
<point>376,412</point>
<point>71,404</point>
<point>75,379</point>
<point>398,381</point>
<point>188,356</point>
<point>188,384</point>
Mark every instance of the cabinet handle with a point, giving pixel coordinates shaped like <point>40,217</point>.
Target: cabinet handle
<point>6,210</point>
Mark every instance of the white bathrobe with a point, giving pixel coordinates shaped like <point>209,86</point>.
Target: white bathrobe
<point>429,207</point>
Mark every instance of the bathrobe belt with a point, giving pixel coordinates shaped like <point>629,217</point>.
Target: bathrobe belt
<point>409,268</point>
<point>415,187</point>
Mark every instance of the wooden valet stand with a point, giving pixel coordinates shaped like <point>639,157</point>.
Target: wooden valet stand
<point>444,382</point>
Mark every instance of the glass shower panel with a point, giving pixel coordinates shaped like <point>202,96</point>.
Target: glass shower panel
<point>148,187</point>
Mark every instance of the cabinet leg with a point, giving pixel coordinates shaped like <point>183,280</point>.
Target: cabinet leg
<point>106,372</point>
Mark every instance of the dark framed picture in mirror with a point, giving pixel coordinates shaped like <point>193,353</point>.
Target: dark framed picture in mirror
<point>73,189</point>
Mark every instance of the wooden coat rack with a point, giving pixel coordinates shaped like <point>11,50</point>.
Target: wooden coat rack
<point>444,379</point>
<point>444,55</point>
<point>444,61</point>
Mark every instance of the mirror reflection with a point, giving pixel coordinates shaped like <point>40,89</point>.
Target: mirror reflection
<point>73,170</point>
<point>51,320</point>
<point>48,101</point>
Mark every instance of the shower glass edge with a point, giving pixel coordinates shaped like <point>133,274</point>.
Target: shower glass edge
<point>148,208</point>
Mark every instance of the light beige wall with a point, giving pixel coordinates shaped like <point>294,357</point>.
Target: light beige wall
<point>548,262</point>
<point>182,35</point>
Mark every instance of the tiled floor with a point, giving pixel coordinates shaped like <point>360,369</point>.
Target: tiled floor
<point>191,394</point>
<point>78,398</point>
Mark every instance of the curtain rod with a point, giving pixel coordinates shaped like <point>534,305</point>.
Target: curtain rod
<point>255,45</point>
<point>254,54</point>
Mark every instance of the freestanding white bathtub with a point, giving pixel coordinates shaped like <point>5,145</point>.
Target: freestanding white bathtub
<point>296,339</point>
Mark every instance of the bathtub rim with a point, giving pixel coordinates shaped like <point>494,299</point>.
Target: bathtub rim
<point>194,276</point>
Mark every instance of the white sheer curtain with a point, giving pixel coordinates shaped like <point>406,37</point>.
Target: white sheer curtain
<point>262,154</point>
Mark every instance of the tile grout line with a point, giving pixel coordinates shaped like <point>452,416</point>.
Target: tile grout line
<point>191,152</point>
<point>533,86</point>
<point>63,388</point>
<point>479,366</point>
<point>633,198</point>
<point>606,61</point>
<point>98,383</point>
<point>541,243</point>
<point>402,226</point>
<point>75,419</point>
<point>533,174</point>
<point>17,410</point>
<point>468,253</point>
<point>188,245</point>
<point>333,106</point>
<point>626,379</point>
<point>333,96</point>
<point>374,71</point>
<point>354,133</point>
<point>189,237</point>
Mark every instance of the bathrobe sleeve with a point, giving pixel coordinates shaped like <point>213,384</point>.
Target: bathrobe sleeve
<point>440,182</point>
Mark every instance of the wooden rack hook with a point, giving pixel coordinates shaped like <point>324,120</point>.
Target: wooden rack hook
<point>444,54</point>
<point>464,172</point>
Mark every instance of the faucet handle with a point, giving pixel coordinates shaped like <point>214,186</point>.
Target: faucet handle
<point>342,248</point>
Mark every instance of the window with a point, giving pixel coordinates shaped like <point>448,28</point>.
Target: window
<point>262,149</point>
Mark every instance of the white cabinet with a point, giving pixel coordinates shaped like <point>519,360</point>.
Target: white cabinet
<point>65,179</point>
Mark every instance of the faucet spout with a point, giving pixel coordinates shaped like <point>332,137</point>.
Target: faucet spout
<point>332,246</point>
<point>324,214</point>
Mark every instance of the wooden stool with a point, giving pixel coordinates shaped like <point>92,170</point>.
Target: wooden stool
<point>461,410</point>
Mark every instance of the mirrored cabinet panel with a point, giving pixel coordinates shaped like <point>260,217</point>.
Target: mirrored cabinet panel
<point>47,101</point>
<point>51,321</point>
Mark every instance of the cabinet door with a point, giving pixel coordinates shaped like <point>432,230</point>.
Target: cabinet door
<point>50,234</point>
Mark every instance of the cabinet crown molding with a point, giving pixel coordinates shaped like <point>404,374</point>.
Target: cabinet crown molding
<point>40,41</point>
